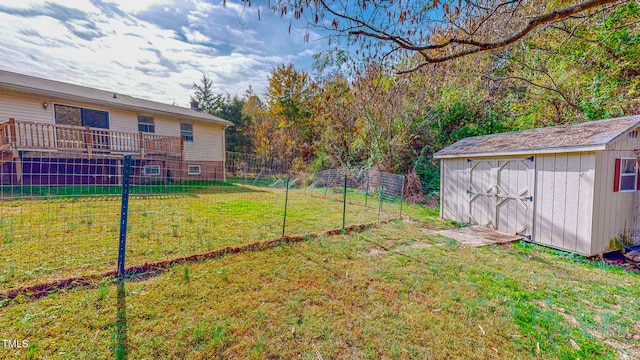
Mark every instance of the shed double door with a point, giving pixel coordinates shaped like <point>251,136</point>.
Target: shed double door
<point>501,194</point>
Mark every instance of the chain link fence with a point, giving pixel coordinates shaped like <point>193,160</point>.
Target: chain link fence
<point>61,216</point>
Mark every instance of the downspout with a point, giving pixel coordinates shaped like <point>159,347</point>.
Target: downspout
<point>224,153</point>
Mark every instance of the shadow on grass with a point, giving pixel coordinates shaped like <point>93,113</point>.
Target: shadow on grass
<point>120,336</point>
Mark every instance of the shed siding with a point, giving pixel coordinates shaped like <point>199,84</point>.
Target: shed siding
<point>455,200</point>
<point>564,201</point>
<point>613,211</point>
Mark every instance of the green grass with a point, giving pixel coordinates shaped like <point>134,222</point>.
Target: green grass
<point>73,191</point>
<point>398,292</point>
<point>46,239</point>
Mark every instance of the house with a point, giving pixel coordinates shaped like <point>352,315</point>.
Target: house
<point>58,133</point>
<point>571,187</point>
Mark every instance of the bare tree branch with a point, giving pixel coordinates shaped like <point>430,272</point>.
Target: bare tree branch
<point>478,46</point>
<point>504,78</point>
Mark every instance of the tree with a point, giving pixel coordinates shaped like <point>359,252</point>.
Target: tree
<point>262,129</point>
<point>337,118</point>
<point>413,34</point>
<point>289,97</point>
<point>208,102</point>
<point>229,108</point>
<point>237,137</point>
<point>581,69</point>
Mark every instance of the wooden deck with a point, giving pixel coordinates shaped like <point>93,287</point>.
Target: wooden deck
<point>25,135</point>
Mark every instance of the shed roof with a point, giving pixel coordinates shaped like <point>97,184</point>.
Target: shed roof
<point>587,136</point>
<point>33,85</point>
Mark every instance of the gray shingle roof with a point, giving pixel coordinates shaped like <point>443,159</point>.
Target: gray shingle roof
<point>587,136</point>
<point>33,85</point>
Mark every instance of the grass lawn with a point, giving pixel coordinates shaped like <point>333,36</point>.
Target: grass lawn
<point>397,291</point>
<point>69,235</point>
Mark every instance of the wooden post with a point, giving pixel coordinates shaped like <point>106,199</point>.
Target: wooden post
<point>119,167</point>
<point>14,149</point>
<point>12,131</point>
<point>88,140</point>
<point>141,144</point>
<point>18,162</point>
<point>181,148</point>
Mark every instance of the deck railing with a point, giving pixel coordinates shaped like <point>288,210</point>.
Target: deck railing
<point>26,135</point>
<point>4,136</point>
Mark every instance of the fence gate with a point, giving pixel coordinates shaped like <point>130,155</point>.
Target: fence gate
<point>501,194</point>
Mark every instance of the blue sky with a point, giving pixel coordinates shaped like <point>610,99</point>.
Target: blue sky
<point>153,49</point>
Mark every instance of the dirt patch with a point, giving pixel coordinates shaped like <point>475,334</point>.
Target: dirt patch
<point>429,232</point>
<point>475,236</point>
<point>376,252</point>
<point>415,245</point>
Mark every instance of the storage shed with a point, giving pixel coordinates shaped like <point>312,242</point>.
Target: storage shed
<point>571,187</point>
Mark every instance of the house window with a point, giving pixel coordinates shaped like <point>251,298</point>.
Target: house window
<point>628,174</point>
<point>151,170</point>
<point>71,115</point>
<point>194,170</point>
<point>633,134</point>
<point>186,131</point>
<point>145,124</point>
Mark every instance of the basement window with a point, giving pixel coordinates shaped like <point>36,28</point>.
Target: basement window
<point>194,170</point>
<point>628,174</point>
<point>151,170</point>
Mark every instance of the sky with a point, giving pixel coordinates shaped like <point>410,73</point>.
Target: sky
<point>151,49</point>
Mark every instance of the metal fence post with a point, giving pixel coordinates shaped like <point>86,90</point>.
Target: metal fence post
<point>327,185</point>
<point>401,196</point>
<point>344,202</point>
<point>380,202</point>
<point>366,192</point>
<point>124,213</point>
<point>286,203</point>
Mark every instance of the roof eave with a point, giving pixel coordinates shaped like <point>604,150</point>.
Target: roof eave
<point>629,129</point>
<point>34,91</point>
<point>589,148</point>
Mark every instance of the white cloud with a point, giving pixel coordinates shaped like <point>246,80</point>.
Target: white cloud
<point>195,37</point>
<point>132,6</point>
<point>82,5</point>
<point>153,49</point>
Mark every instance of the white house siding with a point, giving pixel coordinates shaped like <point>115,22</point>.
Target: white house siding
<point>563,201</point>
<point>124,120</point>
<point>208,143</point>
<point>613,211</point>
<point>208,139</point>
<point>454,201</point>
<point>25,108</point>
